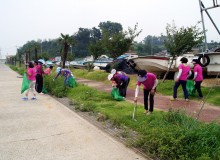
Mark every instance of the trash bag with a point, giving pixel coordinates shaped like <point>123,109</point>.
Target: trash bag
<point>72,82</point>
<point>44,90</point>
<point>191,88</point>
<point>25,83</point>
<point>115,94</point>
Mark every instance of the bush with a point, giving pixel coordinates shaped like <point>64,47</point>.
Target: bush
<point>57,87</point>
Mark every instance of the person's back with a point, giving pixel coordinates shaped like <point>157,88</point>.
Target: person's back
<point>47,71</point>
<point>185,71</point>
<point>39,69</point>
<point>31,74</point>
<point>198,69</point>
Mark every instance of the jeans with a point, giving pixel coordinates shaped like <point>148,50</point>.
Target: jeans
<point>183,84</point>
<point>146,95</point>
<point>66,80</point>
<point>198,88</point>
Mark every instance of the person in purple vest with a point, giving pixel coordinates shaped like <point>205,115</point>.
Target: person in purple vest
<point>63,72</point>
<point>121,81</point>
<point>198,77</point>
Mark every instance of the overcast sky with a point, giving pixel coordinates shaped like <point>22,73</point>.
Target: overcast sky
<point>25,20</point>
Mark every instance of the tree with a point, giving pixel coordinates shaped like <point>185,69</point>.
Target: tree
<point>121,42</point>
<point>66,41</point>
<point>110,27</point>
<point>180,41</point>
<point>97,49</point>
<point>95,34</point>
<point>82,38</point>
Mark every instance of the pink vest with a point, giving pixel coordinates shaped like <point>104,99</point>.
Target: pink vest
<point>198,69</point>
<point>185,71</point>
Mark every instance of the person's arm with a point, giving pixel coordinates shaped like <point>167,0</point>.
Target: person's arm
<point>152,91</point>
<point>57,75</point>
<point>190,73</point>
<point>195,75</point>
<point>155,84</point>
<point>136,93</point>
<point>114,83</point>
<point>179,74</point>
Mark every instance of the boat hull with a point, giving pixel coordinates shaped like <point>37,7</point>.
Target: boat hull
<point>152,64</point>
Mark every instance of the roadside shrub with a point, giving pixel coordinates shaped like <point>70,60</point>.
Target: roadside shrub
<point>17,69</point>
<point>57,87</point>
<point>175,136</point>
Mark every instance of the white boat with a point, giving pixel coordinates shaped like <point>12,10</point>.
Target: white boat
<point>159,64</point>
<point>154,64</point>
<point>102,61</point>
<point>80,64</point>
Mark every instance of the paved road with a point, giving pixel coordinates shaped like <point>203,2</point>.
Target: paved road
<point>46,130</point>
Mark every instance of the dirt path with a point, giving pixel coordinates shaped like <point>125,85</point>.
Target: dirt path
<point>192,108</point>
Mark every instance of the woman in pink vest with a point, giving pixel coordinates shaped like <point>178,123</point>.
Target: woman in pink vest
<point>31,75</point>
<point>149,82</point>
<point>183,74</point>
<point>198,77</point>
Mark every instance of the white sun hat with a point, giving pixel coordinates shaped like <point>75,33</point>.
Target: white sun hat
<point>58,69</point>
<point>113,71</point>
<point>110,76</point>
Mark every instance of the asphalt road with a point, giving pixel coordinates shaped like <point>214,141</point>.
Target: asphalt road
<point>46,130</point>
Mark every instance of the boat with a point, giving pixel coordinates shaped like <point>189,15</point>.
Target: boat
<point>159,64</point>
<point>154,64</point>
<point>79,64</point>
<point>210,61</point>
<point>102,61</point>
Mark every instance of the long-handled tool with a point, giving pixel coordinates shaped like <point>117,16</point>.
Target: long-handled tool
<point>134,112</point>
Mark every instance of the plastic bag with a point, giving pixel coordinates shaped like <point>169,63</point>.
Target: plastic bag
<point>25,83</point>
<point>44,90</point>
<point>72,82</point>
<point>115,94</point>
<point>190,87</point>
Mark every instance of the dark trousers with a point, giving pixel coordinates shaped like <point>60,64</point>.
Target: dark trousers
<point>198,88</point>
<point>183,84</point>
<point>39,83</point>
<point>146,95</point>
<point>123,88</point>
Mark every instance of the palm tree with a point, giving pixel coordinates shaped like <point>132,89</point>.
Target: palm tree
<point>66,41</point>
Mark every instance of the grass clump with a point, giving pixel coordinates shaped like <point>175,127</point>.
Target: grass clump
<point>57,87</point>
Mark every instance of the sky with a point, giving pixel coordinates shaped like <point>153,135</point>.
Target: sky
<point>25,20</point>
